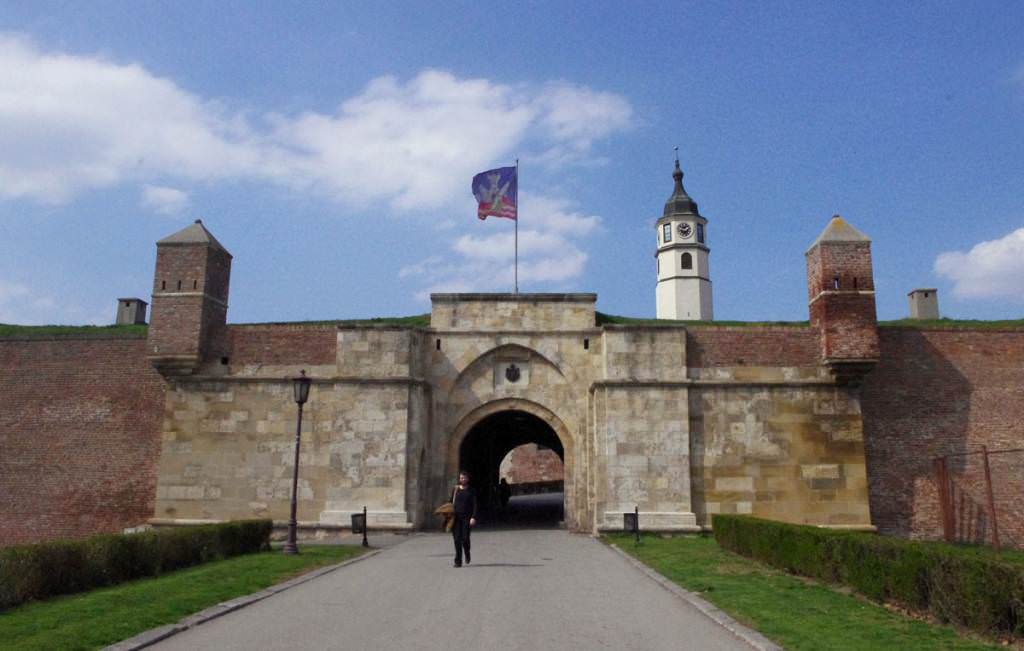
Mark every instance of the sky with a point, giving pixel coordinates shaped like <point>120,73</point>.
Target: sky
<point>330,147</point>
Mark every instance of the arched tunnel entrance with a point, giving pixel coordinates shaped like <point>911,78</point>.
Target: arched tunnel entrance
<point>481,453</point>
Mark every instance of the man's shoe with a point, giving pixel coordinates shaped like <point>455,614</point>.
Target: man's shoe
<point>457,565</point>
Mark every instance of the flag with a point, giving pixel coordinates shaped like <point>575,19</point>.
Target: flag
<point>496,193</point>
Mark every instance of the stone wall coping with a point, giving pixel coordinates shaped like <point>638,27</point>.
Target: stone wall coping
<point>518,298</point>
<point>338,379</point>
<point>513,333</point>
<point>695,382</point>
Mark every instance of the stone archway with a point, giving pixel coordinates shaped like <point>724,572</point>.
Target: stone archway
<point>537,424</point>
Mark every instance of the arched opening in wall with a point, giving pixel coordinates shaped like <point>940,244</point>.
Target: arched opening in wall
<point>484,452</point>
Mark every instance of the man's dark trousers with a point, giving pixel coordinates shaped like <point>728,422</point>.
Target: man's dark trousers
<point>460,532</point>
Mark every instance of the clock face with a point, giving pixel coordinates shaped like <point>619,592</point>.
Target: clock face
<point>684,229</point>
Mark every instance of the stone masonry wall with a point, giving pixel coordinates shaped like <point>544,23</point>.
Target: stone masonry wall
<point>79,437</point>
<point>792,453</point>
<point>945,391</point>
<point>228,449</point>
<point>489,312</point>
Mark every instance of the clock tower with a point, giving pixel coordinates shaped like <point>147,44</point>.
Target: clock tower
<point>684,278</point>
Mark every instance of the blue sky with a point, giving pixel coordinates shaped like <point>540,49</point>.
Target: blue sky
<point>330,147</point>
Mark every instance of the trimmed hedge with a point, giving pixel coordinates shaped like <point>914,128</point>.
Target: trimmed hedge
<point>65,566</point>
<point>962,586</point>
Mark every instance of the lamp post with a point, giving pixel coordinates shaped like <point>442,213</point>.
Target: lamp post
<point>300,386</point>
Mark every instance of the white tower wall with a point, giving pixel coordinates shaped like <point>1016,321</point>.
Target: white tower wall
<point>683,291</point>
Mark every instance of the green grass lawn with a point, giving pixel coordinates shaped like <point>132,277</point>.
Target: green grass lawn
<point>794,612</point>
<point>101,617</point>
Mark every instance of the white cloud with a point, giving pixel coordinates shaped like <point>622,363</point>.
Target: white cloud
<point>550,256</point>
<point>71,123</point>
<point>20,304</point>
<point>164,200</point>
<point>992,269</point>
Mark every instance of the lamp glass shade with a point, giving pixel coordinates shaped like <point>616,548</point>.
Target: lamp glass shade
<point>301,387</point>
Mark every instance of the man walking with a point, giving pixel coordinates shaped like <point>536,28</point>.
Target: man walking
<point>464,501</point>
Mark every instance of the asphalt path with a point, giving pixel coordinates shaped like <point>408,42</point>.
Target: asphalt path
<point>527,589</point>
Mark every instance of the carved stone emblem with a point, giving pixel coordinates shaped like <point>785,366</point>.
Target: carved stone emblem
<point>512,373</point>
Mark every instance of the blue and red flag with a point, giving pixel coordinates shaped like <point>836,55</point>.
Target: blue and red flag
<point>496,192</point>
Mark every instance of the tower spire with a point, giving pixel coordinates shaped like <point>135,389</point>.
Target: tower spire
<point>679,203</point>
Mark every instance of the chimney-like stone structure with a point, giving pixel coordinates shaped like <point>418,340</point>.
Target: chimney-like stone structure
<point>131,311</point>
<point>924,303</point>
<point>841,300</point>
<point>190,301</point>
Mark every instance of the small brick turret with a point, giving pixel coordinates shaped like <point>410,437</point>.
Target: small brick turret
<point>841,296</point>
<point>190,300</point>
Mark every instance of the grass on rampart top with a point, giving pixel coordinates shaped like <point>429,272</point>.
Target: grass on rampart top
<point>966,324</point>
<point>98,618</point>
<point>612,319</point>
<point>43,331</point>
<point>413,321</point>
<point>797,613</point>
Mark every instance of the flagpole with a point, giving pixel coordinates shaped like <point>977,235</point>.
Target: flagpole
<point>516,263</point>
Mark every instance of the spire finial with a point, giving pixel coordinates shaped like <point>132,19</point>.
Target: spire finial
<point>677,173</point>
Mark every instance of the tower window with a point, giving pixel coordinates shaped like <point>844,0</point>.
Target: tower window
<point>195,284</point>
<point>163,284</point>
<point>437,345</point>
<point>179,285</point>
<point>687,261</point>
<point>835,283</point>
<point>586,344</point>
<point>666,232</point>
<point>700,233</point>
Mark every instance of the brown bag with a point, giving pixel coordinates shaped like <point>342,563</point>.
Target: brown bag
<point>446,511</point>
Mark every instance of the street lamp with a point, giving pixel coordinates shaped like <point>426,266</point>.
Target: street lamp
<point>300,385</point>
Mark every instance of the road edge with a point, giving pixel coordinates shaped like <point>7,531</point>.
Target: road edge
<point>716,614</point>
<point>154,635</point>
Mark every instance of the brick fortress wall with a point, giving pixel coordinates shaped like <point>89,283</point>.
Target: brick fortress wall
<point>937,392</point>
<point>79,437</point>
<point>529,464</point>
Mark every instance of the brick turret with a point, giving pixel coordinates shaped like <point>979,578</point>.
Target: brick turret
<point>841,296</point>
<point>190,300</point>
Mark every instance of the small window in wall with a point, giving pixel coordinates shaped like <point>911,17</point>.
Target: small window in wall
<point>179,285</point>
<point>666,232</point>
<point>687,261</point>
<point>700,233</point>
<point>437,345</point>
<point>195,284</point>
<point>586,344</point>
<point>835,283</point>
<point>163,284</point>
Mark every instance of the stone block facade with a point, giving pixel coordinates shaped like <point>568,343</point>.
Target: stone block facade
<point>833,423</point>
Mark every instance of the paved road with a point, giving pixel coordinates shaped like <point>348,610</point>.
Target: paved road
<point>527,589</point>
